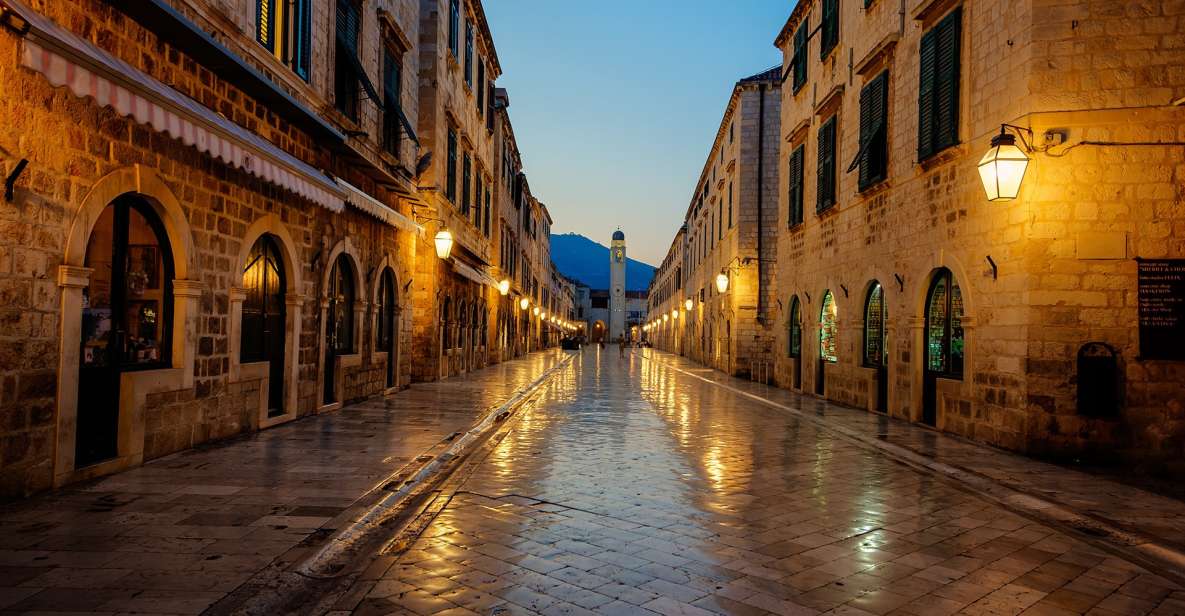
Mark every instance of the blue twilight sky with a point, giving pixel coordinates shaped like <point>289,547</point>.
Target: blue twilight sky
<point>616,102</point>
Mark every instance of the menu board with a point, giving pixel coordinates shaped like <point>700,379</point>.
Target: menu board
<point>1161,292</point>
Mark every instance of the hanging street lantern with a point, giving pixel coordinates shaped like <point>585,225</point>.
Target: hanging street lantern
<point>689,304</point>
<point>674,314</point>
<point>444,243</point>
<point>722,282</point>
<point>523,303</point>
<point>1003,168</point>
<point>504,286</point>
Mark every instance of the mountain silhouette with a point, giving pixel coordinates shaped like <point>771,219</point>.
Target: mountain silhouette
<point>587,261</point>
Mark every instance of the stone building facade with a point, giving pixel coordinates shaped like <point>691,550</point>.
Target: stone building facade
<point>900,288</point>
<point>903,290</point>
<point>216,224</point>
<point>729,229</point>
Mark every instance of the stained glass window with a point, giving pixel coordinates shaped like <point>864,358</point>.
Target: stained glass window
<point>829,329</point>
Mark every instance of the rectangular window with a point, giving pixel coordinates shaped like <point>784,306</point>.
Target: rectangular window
<point>469,54</point>
<point>798,62</point>
<point>481,87</point>
<point>486,223</point>
<point>466,170</point>
<point>477,199</point>
<point>829,36</point>
<point>346,75</point>
<point>731,131</point>
<point>454,27</point>
<point>450,186</point>
<point>392,107</point>
<point>873,157</point>
<point>826,171</point>
<point>730,205</point>
<point>796,172</point>
<point>284,28</point>
<point>938,97</point>
<point>490,106</point>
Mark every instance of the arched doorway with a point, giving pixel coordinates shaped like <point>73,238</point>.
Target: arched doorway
<point>339,323</point>
<point>794,342</point>
<point>876,354</point>
<point>386,325</point>
<point>598,333</point>
<point>263,322</point>
<point>126,317</point>
<point>943,339</point>
<point>828,339</point>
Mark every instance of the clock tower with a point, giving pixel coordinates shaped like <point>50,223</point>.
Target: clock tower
<point>617,303</point>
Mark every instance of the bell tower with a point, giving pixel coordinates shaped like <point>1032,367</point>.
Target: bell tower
<point>617,303</point>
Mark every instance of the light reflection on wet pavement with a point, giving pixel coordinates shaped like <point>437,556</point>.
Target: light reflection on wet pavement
<point>632,488</point>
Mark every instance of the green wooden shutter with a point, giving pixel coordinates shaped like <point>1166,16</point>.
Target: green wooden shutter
<point>797,158</point>
<point>926,95</point>
<point>873,104</point>
<point>800,52</point>
<point>826,172</point>
<point>949,32</point>
<point>304,32</point>
<point>830,25</point>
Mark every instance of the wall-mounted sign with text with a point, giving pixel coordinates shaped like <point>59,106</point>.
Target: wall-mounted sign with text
<point>1161,293</point>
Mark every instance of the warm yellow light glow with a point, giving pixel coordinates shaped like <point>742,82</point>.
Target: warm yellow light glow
<point>536,311</point>
<point>674,314</point>
<point>523,303</point>
<point>504,286</point>
<point>444,243</point>
<point>722,282</point>
<point>1003,168</point>
<point>665,318</point>
<point>689,304</point>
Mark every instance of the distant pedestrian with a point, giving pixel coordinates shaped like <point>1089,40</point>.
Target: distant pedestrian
<point>621,345</point>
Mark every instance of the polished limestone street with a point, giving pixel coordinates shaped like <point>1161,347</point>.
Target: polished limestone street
<point>648,484</point>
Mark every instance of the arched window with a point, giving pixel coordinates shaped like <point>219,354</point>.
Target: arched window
<point>385,335</point>
<point>875,316</point>
<point>829,329</point>
<point>446,324</point>
<point>944,326</point>
<point>794,335</point>
<point>263,324</point>
<point>126,317</point>
<point>339,321</point>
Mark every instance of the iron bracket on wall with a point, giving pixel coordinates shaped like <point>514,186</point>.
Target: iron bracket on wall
<point>900,282</point>
<point>10,181</point>
<point>995,270</point>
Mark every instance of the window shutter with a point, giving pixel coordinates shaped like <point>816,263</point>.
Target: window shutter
<point>797,158</point>
<point>830,25</point>
<point>926,95</point>
<point>265,25</point>
<point>826,171</point>
<point>871,159</point>
<point>347,24</point>
<point>800,52</point>
<point>949,32</point>
<point>304,33</point>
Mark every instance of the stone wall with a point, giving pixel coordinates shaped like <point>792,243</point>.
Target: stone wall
<point>1098,72</point>
<point>78,150</point>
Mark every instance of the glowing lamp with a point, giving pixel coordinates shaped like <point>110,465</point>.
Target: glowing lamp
<point>722,282</point>
<point>689,304</point>
<point>523,303</point>
<point>536,311</point>
<point>674,314</point>
<point>444,243</point>
<point>504,286</point>
<point>1003,168</point>
<point>665,318</point>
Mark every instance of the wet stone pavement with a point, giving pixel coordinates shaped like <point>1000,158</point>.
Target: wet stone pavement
<point>635,488</point>
<point>180,533</point>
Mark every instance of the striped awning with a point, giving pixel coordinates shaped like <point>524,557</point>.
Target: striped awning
<point>363,201</point>
<point>474,274</point>
<point>87,71</point>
